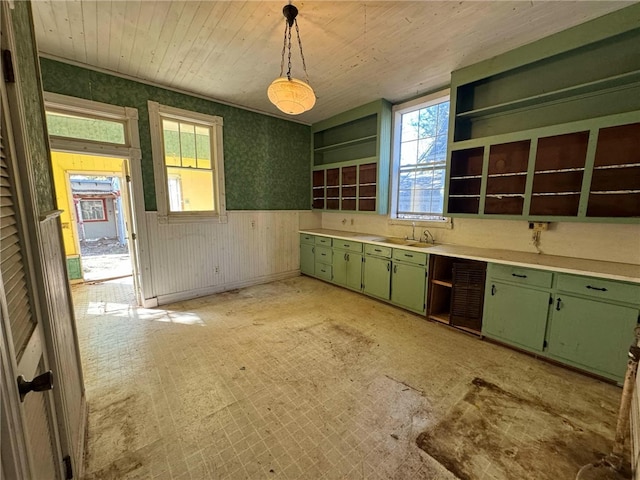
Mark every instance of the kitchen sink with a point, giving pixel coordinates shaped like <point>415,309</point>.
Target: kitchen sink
<point>398,241</point>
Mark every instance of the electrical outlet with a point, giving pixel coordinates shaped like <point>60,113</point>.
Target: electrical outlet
<point>352,221</point>
<point>217,270</point>
<point>538,226</point>
<point>253,224</point>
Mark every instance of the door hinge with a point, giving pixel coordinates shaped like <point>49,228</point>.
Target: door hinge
<point>550,300</point>
<point>128,178</point>
<point>545,344</point>
<point>133,236</point>
<point>7,67</point>
<point>68,469</point>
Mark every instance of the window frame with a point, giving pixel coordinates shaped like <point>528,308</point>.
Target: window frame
<point>397,112</point>
<point>158,112</point>
<point>105,217</point>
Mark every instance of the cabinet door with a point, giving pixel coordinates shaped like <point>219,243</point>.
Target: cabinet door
<point>516,314</point>
<point>307,259</point>
<point>592,334</point>
<point>408,286</point>
<point>339,264</point>
<point>354,271</point>
<point>377,277</point>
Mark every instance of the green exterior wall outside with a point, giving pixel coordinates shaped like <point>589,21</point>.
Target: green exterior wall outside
<point>266,159</point>
<point>27,74</point>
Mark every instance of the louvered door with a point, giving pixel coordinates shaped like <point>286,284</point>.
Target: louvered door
<point>467,296</point>
<point>36,453</point>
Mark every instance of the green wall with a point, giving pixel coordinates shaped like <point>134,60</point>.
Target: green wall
<point>27,72</point>
<point>266,159</point>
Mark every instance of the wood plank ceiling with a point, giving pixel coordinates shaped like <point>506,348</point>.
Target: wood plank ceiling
<point>355,52</point>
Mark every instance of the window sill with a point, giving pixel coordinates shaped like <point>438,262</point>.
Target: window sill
<point>191,218</point>
<point>447,223</point>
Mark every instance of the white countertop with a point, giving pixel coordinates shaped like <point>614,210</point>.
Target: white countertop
<point>577,266</point>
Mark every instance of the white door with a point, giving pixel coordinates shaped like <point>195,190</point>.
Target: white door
<point>130,223</point>
<point>30,442</point>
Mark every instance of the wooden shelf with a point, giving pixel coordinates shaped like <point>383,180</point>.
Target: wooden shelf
<point>574,92</point>
<point>440,317</point>
<point>444,283</point>
<point>348,143</point>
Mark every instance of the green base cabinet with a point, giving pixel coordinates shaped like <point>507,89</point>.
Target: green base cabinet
<point>408,286</point>
<point>592,335</point>
<point>307,259</point>
<point>377,277</point>
<point>347,269</point>
<point>516,315</point>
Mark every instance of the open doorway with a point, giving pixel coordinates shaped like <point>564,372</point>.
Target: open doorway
<point>91,191</point>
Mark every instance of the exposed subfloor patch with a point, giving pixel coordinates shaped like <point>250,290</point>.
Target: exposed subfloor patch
<point>299,379</point>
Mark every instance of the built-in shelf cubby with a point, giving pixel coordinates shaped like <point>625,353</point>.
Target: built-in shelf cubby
<point>352,150</point>
<point>549,137</point>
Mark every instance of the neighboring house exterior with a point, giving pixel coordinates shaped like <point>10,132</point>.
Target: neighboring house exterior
<point>98,208</point>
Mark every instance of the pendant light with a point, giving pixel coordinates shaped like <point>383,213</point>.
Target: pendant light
<point>289,94</point>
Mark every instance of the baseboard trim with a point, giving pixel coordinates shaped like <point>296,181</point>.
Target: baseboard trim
<point>202,292</point>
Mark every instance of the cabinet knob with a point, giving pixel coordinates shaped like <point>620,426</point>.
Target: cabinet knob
<point>493,290</point>
<point>558,303</point>
<point>388,266</point>
<point>395,269</point>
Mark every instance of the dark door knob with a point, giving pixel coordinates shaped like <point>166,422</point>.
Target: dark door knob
<point>41,383</point>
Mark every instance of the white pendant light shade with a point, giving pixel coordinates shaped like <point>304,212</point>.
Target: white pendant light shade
<point>291,96</point>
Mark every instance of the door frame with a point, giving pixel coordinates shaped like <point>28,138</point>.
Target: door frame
<point>126,200</point>
<point>129,151</point>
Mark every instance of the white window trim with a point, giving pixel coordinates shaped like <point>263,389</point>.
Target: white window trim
<point>158,111</point>
<point>397,111</point>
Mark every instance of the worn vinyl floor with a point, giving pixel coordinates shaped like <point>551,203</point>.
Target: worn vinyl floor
<point>299,379</point>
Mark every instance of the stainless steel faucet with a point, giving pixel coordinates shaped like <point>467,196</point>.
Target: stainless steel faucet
<point>428,237</point>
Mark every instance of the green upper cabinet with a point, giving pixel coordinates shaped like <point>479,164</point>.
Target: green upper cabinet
<point>350,160</point>
<point>551,130</point>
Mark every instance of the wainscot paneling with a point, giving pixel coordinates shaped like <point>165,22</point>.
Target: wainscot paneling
<point>189,260</point>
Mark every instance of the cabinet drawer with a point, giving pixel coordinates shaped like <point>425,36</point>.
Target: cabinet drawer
<point>410,256</point>
<point>306,238</point>
<point>524,276</point>
<point>324,255</point>
<point>326,241</point>
<point>377,250</point>
<point>323,271</point>
<point>347,245</point>
<point>600,288</point>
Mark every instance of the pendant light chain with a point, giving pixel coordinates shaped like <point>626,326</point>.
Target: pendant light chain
<point>289,47</point>
<point>304,65</point>
<point>284,48</point>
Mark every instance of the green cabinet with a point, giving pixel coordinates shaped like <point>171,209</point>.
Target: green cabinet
<point>592,335</point>
<point>350,160</point>
<point>377,277</point>
<point>585,322</point>
<point>307,254</point>
<point>551,130</point>
<point>307,259</point>
<point>516,314</point>
<point>408,286</point>
<point>347,264</point>
<point>323,260</point>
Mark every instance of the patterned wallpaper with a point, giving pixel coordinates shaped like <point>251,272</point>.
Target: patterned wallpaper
<point>27,71</point>
<point>266,159</point>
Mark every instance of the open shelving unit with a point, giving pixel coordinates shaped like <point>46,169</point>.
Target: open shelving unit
<point>549,131</point>
<point>356,144</point>
<point>456,292</point>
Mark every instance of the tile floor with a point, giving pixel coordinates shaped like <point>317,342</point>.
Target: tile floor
<point>296,379</point>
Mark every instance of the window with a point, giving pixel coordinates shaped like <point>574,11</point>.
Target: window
<point>93,210</point>
<point>85,128</point>
<point>187,151</point>
<point>419,158</point>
